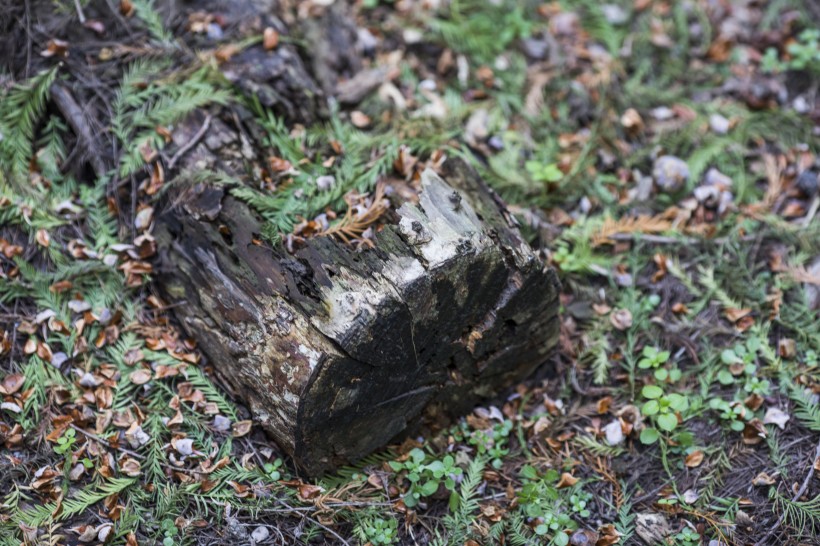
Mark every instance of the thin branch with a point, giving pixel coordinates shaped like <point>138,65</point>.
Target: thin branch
<point>803,487</point>
<point>80,13</point>
<point>191,143</point>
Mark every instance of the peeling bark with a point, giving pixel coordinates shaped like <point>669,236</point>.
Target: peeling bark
<point>338,351</point>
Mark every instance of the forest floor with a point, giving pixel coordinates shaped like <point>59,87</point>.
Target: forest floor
<point>661,154</point>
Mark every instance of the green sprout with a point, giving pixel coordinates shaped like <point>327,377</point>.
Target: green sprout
<point>655,359</point>
<point>663,409</point>
<point>379,530</point>
<point>425,479</point>
<point>543,172</point>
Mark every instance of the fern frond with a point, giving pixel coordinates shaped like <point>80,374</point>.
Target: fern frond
<point>625,524</point>
<point>147,12</point>
<point>20,111</point>
<point>806,410</point>
<point>79,503</point>
<point>457,525</point>
<point>598,449</point>
<point>802,516</point>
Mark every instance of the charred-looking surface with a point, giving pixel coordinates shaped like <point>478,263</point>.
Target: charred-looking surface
<point>338,351</point>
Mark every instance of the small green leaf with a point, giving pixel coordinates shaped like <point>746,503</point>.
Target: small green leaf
<point>728,356</point>
<point>429,488</point>
<point>652,391</point>
<point>454,501</point>
<point>667,421</point>
<point>725,378</point>
<point>650,408</point>
<point>678,402</point>
<point>649,436</point>
<point>737,426</point>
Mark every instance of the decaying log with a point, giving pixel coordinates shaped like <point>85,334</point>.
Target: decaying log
<point>338,351</point>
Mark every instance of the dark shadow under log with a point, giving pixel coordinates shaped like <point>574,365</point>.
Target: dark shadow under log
<point>338,351</point>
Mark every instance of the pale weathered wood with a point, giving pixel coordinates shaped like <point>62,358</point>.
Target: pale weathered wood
<point>338,351</point>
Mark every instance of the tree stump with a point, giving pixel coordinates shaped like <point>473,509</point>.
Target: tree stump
<point>338,351</point>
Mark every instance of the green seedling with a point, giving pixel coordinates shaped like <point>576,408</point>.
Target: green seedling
<point>663,409</point>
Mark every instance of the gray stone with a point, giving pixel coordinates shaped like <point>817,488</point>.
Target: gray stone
<point>670,173</point>
<point>535,48</point>
<point>719,124</point>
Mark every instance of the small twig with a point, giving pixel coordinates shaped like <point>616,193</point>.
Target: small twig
<point>106,443</point>
<point>80,13</point>
<point>77,120</point>
<point>649,238</point>
<point>815,204</point>
<point>191,143</point>
<point>328,505</point>
<point>796,496</point>
<point>315,522</point>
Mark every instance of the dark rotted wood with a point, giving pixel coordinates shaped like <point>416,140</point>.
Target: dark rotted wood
<point>338,351</point>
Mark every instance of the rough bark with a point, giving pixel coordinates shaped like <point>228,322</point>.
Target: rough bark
<point>338,351</point>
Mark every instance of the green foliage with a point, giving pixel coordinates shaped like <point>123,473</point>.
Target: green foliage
<point>20,110</point>
<point>732,413</point>
<point>65,442</point>
<point>464,505</point>
<point>686,537</point>
<point>663,408</point>
<point>274,469</point>
<point>591,445</point>
<point>803,517</point>
<point>366,157</point>
<point>625,523</point>
<point>144,103</point>
<point>551,508</point>
<point>543,172</point>
<point>426,475</point>
<point>147,12</point>
<point>654,358</point>
<point>479,29</point>
<point>377,530</point>
<point>740,360</point>
<point>77,504</point>
<point>807,411</point>
<point>492,442</point>
<point>803,54</point>
<point>573,251</point>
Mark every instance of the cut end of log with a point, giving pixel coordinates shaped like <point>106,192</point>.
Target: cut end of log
<point>337,351</point>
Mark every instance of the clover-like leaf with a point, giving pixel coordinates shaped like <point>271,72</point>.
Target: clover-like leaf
<point>652,391</point>
<point>649,436</point>
<point>650,408</point>
<point>678,402</point>
<point>667,421</point>
<point>728,356</point>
